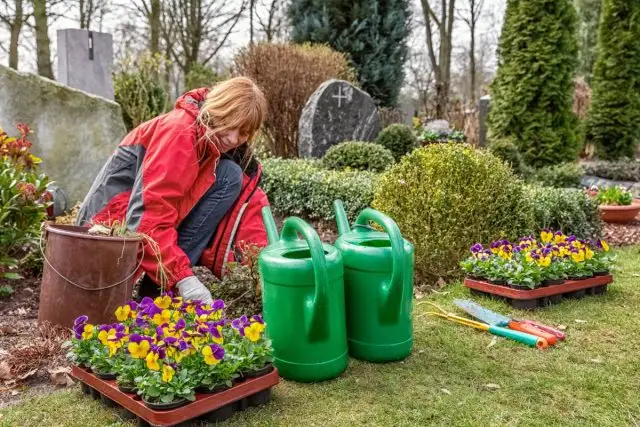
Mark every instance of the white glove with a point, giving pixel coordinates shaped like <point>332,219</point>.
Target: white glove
<point>191,288</point>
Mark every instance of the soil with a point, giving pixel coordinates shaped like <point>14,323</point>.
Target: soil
<point>19,330</point>
<point>622,234</point>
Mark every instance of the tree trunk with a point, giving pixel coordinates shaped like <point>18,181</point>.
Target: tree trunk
<point>42,38</point>
<point>472,63</point>
<point>14,42</point>
<point>154,26</point>
<point>252,5</point>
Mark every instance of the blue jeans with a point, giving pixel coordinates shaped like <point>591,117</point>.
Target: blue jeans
<point>197,229</point>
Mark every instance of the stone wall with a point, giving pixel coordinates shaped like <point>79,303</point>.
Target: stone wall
<point>73,132</point>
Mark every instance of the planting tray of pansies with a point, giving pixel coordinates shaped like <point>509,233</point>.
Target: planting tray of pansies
<point>534,273</point>
<point>169,361</point>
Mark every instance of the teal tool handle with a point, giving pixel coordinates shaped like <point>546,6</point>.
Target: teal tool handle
<point>528,339</point>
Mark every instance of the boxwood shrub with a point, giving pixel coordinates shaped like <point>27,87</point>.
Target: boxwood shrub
<point>305,188</point>
<point>569,210</point>
<point>564,175</point>
<point>359,155</point>
<point>446,197</point>
<point>397,138</point>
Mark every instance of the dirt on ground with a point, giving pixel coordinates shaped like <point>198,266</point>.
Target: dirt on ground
<point>31,355</point>
<point>622,234</point>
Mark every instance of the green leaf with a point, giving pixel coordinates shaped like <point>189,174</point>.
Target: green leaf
<point>167,398</point>
<point>12,276</point>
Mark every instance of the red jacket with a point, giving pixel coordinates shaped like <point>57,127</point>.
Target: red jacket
<point>156,176</point>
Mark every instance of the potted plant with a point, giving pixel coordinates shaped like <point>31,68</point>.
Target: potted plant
<point>164,388</point>
<point>616,204</point>
<point>524,275</point>
<point>83,343</point>
<point>602,260</point>
<point>250,347</point>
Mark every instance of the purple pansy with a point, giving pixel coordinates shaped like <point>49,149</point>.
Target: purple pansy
<point>217,351</point>
<point>81,320</point>
<point>132,305</point>
<point>180,325</point>
<point>218,305</point>
<point>257,318</point>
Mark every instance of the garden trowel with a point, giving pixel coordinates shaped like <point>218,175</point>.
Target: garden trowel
<point>495,319</point>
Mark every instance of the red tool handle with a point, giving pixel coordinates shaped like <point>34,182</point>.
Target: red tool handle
<point>530,329</point>
<point>559,334</point>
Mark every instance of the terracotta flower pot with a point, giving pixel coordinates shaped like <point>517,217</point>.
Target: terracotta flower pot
<point>620,214</point>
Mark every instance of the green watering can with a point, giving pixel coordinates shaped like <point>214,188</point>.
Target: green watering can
<point>378,281</point>
<point>303,302</point>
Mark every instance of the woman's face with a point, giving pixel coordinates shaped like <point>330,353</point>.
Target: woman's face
<point>231,139</point>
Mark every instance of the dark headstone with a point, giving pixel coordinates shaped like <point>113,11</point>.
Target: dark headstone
<point>484,106</point>
<point>336,112</point>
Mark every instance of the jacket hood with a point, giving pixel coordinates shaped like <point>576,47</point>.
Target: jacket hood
<point>190,101</point>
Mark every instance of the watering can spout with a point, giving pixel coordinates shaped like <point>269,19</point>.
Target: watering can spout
<point>270,225</point>
<point>341,218</point>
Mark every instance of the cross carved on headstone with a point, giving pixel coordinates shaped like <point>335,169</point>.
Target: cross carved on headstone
<point>339,96</point>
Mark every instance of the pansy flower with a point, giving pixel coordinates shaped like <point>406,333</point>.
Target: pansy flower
<point>163,302</point>
<point>122,313</point>
<point>213,354</point>
<point>253,331</point>
<point>81,320</point>
<point>476,248</point>
<point>167,373</point>
<point>546,236</point>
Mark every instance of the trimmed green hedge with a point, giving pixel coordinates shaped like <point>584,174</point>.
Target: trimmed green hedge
<point>305,188</point>
<point>622,170</point>
<point>566,209</point>
<point>360,155</point>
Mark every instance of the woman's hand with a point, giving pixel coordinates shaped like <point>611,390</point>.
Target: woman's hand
<point>192,289</point>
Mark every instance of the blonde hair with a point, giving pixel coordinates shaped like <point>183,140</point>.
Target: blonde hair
<point>237,103</point>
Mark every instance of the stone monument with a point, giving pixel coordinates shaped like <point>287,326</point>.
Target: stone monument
<point>85,61</point>
<point>484,106</point>
<point>336,112</point>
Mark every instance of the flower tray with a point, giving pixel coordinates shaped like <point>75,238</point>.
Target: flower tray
<point>207,407</point>
<point>541,297</point>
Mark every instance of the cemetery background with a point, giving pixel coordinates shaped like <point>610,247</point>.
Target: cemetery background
<point>64,119</point>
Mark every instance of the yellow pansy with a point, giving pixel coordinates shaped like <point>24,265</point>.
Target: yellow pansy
<point>152,361</point>
<point>577,256</point>
<point>544,261</point>
<point>113,348</point>
<point>87,332</point>
<point>546,236</point>
<point>122,313</point>
<point>605,246</point>
<point>162,318</point>
<point>163,302</point>
<point>253,332</point>
<point>167,373</point>
<point>139,351</point>
<point>588,253</point>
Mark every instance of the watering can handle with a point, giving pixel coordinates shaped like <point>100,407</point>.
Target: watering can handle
<point>391,293</point>
<point>316,326</point>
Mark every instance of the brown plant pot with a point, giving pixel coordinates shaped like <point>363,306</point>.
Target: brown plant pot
<point>74,284</point>
<point>620,214</point>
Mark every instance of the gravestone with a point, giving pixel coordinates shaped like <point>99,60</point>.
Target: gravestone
<point>85,61</point>
<point>336,112</point>
<point>484,106</point>
<point>439,126</point>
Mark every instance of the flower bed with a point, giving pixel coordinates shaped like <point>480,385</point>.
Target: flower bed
<point>167,349</point>
<point>530,264</point>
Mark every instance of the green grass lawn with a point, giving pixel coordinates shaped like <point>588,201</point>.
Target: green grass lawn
<point>591,379</point>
